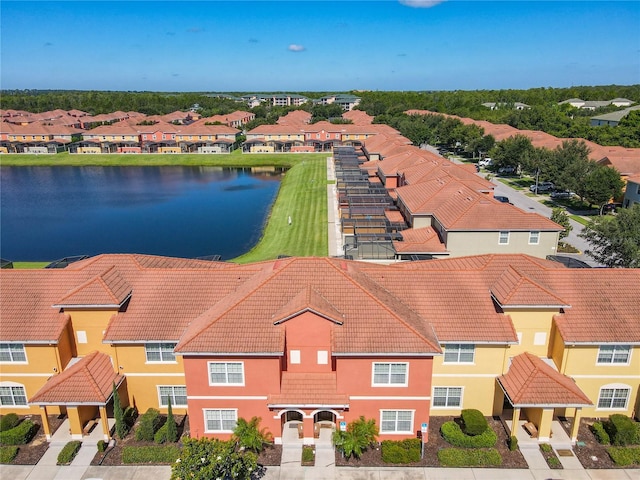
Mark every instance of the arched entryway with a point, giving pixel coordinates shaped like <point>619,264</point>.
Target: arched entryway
<point>324,424</point>
<point>292,426</point>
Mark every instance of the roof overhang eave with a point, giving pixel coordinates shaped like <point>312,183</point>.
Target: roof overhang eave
<point>308,405</point>
<point>231,354</point>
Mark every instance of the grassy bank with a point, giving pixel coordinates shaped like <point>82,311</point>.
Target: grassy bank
<point>303,197</point>
<point>25,265</point>
<point>235,159</point>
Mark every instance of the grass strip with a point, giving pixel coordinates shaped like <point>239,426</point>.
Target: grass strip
<point>579,219</point>
<point>303,198</point>
<point>234,159</point>
<point>27,265</point>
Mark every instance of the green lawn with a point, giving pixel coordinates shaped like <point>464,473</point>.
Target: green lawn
<point>235,159</point>
<point>579,219</point>
<point>303,197</point>
<point>24,265</point>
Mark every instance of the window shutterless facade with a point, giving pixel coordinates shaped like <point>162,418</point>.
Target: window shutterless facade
<point>13,396</point>
<point>447,397</point>
<point>177,394</point>
<point>459,353</point>
<point>503,238</point>
<point>226,373</point>
<point>220,420</point>
<point>160,352</point>
<point>614,354</point>
<point>613,397</point>
<point>390,374</point>
<point>12,353</point>
<point>396,421</point>
<point>534,238</point>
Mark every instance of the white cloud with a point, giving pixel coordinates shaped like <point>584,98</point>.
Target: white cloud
<point>421,3</point>
<point>296,48</point>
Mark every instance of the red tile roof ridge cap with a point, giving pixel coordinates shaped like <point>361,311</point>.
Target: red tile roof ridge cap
<point>100,279</point>
<point>526,278</point>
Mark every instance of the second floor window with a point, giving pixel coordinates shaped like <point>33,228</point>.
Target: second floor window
<point>160,352</point>
<point>390,374</point>
<point>614,354</point>
<point>12,352</point>
<point>459,353</point>
<point>503,239</point>
<point>226,373</point>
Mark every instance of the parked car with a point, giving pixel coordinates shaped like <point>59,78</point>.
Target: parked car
<point>559,194</point>
<point>542,187</point>
<point>610,208</point>
<point>507,170</point>
<point>502,198</point>
<point>485,162</point>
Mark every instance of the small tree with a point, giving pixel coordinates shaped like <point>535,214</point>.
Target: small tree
<point>250,436</point>
<point>172,428</point>
<point>559,216</point>
<point>360,434</point>
<point>118,413</point>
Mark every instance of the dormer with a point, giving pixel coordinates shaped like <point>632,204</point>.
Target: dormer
<point>531,306</point>
<point>91,305</point>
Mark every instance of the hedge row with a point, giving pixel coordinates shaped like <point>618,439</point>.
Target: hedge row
<point>461,457</point>
<point>153,454</point>
<point>68,452</point>
<point>601,434</point>
<point>625,456</point>
<point>622,430</point>
<point>402,451</point>
<point>453,434</point>
<point>7,454</point>
<point>20,434</point>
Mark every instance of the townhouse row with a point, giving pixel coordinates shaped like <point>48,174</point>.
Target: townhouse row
<point>311,341</point>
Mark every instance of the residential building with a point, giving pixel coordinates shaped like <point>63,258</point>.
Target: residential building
<point>612,119</point>
<point>632,192</point>
<point>346,101</point>
<point>307,341</point>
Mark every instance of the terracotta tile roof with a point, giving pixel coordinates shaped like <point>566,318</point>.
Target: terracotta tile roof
<point>358,117</point>
<point>295,117</point>
<point>308,299</point>
<point>514,289</point>
<point>419,240</point>
<point>108,290</point>
<point>308,389</point>
<point>394,216</point>
<point>88,381</point>
<point>366,310</point>
<point>531,381</point>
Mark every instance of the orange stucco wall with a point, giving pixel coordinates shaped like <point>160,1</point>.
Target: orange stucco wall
<point>308,334</point>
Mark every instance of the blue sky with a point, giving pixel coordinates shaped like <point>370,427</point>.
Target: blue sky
<point>318,45</point>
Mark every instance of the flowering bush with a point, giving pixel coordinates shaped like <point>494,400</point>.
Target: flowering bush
<point>207,459</point>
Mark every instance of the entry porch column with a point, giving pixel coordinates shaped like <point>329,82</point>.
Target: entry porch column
<point>45,422</point>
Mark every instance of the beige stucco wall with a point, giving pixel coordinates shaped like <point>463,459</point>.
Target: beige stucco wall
<point>478,243</point>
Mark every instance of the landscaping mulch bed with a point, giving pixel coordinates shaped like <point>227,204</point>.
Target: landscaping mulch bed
<point>593,454</point>
<point>552,459</point>
<point>31,453</point>
<point>112,457</point>
<point>270,456</point>
<point>373,457</point>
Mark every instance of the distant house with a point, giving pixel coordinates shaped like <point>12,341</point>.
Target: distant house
<point>346,101</point>
<point>632,193</point>
<point>594,104</point>
<point>515,105</point>
<point>612,119</point>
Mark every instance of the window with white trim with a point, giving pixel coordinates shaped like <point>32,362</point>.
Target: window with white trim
<point>614,354</point>
<point>396,421</point>
<point>13,395</point>
<point>323,357</point>
<point>611,397</point>
<point>177,394</point>
<point>503,238</point>
<point>447,397</point>
<point>294,356</point>
<point>219,420</point>
<point>160,352</point>
<point>534,238</point>
<point>459,353</point>
<point>12,353</point>
<point>226,373</point>
<point>390,374</point>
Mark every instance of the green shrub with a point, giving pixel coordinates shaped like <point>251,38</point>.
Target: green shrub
<point>600,433</point>
<point>162,435</point>
<point>308,454</point>
<point>7,454</point>
<point>102,445</point>
<point>129,416</point>
<point>455,436</point>
<point>553,462</point>
<point>20,434</point>
<point>152,454</point>
<point>150,423</point>
<point>360,434</point>
<point>9,421</point>
<point>403,451</point>
<point>68,452</point>
<point>460,457</point>
<point>513,443</point>
<point>624,456</point>
<point>546,448</point>
<point>249,435</point>
<point>621,429</point>
<point>473,422</point>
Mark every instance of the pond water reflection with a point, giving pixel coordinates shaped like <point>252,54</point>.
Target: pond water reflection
<point>53,212</point>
